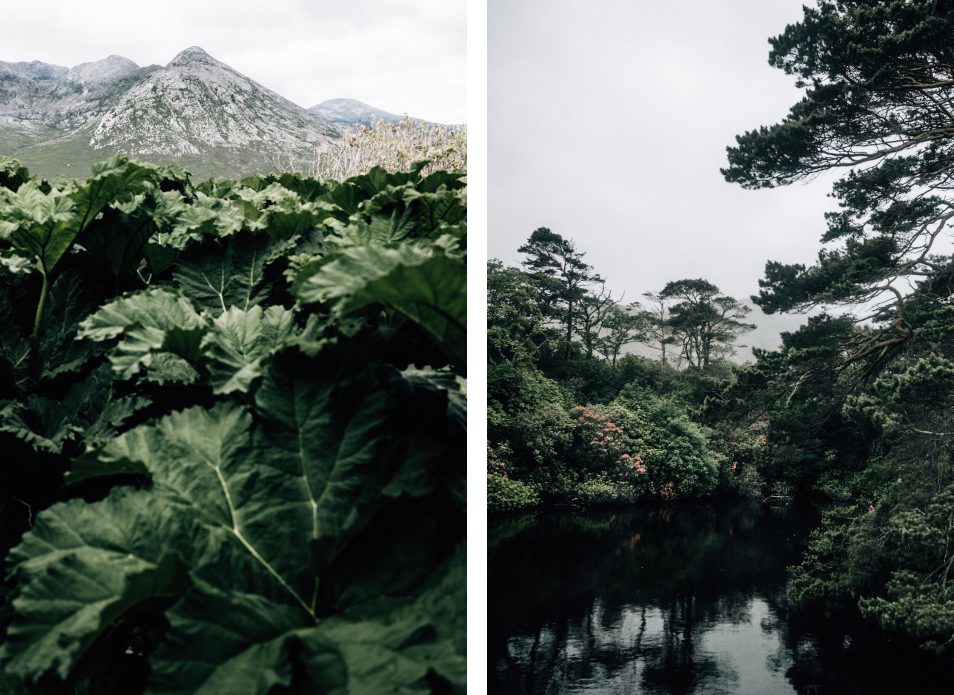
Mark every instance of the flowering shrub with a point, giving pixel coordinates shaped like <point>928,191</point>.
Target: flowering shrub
<point>602,447</point>
<point>745,453</point>
<point>651,447</point>
<point>601,440</point>
<point>498,460</point>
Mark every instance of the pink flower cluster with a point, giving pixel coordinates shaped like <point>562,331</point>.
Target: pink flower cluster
<point>498,460</point>
<point>637,463</point>
<point>605,432</point>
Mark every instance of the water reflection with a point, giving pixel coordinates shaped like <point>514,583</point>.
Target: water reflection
<point>679,599</point>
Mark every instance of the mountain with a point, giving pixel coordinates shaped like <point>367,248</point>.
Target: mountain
<point>39,98</point>
<point>195,111</point>
<point>351,112</point>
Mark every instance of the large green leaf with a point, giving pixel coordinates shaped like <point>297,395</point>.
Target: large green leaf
<point>42,224</point>
<point>15,263</point>
<point>380,230</point>
<point>424,285</point>
<point>279,210</point>
<point>239,342</point>
<point>454,387</point>
<point>79,569</point>
<point>149,324</point>
<point>88,411</point>
<point>12,173</point>
<point>241,507</point>
<point>116,180</point>
<point>48,222</point>
<point>117,239</point>
<point>71,299</point>
<point>338,435</point>
<point>383,646</point>
<point>222,642</point>
<point>440,212</point>
<point>217,276</point>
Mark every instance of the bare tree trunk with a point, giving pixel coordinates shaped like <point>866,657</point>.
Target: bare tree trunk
<point>569,330</point>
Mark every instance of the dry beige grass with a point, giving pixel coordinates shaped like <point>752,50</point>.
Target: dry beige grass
<point>394,147</point>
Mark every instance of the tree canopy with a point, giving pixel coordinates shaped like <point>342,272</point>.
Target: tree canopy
<point>561,275</point>
<point>705,321</point>
<point>879,105</point>
<point>860,411</point>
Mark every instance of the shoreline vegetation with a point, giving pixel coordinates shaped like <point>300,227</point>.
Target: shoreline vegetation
<point>569,427</point>
<point>855,409</point>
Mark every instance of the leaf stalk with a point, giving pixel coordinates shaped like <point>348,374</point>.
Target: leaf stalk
<point>36,367</point>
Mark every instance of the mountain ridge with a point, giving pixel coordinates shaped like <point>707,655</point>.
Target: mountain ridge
<point>195,110</point>
<point>203,103</point>
<point>350,112</point>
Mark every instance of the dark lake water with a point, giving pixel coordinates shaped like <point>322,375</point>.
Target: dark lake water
<point>676,599</point>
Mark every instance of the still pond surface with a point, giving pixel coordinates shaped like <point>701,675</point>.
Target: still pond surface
<point>675,599</point>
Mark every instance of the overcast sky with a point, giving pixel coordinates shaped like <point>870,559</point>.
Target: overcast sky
<point>404,56</point>
<point>608,122</point>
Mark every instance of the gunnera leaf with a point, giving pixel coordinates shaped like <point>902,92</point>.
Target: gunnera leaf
<point>87,412</point>
<point>117,239</point>
<point>15,263</point>
<point>48,221</point>
<point>205,217</point>
<point>240,513</point>
<point>426,286</point>
<point>40,224</point>
<point>239,342</point>
<point>217,275</point>
<point>149,323</point>
<point>337,432</point>
<point>389,645</point>
<point>71,299</point>
<point>439,212</point>
<point>447,382</point>
<point>12,173</point>
<point>79,569</point>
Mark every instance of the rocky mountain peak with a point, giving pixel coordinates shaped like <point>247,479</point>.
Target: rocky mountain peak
<point>348,112</point>
<point>109,69</point>
<point>192,55</point>
<point>198,107</point>
<point>196,110</point>
<point>33,69</point>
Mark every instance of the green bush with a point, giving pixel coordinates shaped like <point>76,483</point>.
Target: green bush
<point>527,412</point>
<point>601,491</point>
<point>744,452</point>
<point>506,495</point>
<point>647,442</point>
<point>888,549</point>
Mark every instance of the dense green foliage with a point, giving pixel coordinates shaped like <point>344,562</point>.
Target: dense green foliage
<point>233,417</point>
<point>861,412</point>
<point>854,411</point>
<point>573,420</point>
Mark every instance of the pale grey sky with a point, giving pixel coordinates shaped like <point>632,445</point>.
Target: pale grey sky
<point>398,55</point>
<point>608,122</point>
